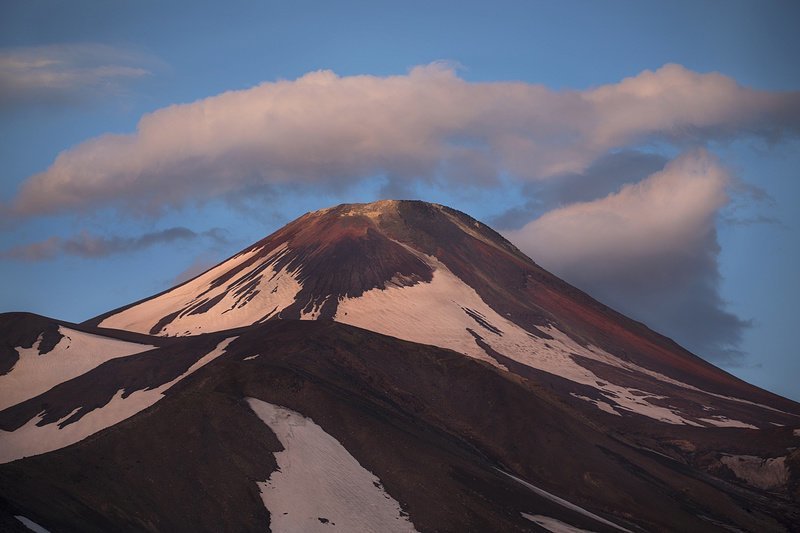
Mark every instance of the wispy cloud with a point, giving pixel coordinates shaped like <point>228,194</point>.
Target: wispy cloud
<point>89,245</point>
<point>753,221</point>
<point>429,125</point>
<point>64,73</point>
<point>650,250</point>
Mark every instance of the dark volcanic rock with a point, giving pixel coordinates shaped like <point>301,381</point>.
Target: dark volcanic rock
<point>434,426</point>
<point>22,330</point>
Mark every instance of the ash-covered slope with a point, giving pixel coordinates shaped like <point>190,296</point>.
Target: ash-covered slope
<point>430,274</point>
<point>319,426</point>
<point>66,382</point>
<point>37,353</point>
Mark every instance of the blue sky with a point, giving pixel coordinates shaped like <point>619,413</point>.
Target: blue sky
<point>645,151</point>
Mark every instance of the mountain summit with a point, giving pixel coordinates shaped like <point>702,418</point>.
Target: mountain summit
<point>392,366</point>
<point>308,268</point>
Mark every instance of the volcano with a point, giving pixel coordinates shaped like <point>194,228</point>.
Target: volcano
<point>393,366</point>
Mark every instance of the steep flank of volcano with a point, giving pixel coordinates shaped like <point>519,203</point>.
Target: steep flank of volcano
<point>427,273</point>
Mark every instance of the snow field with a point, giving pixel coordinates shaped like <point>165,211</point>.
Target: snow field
<point>405,312</point>
<point>32,439</point>
<point>564,503</point>
<point>75,354</point>
<point>319,486</point>
<point>276,291</point>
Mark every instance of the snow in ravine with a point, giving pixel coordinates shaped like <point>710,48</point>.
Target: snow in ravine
<point>553,525</point>
<point>32,439</point>
<point>319,486</point>
<point>564,503</point>
<point>30,524</point>
<point>75,354</point>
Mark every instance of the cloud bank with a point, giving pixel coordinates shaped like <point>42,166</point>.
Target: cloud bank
<point>89,245</point>
<point>429,125</point>
<point>650,250</point>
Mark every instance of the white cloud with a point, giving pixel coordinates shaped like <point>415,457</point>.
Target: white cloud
<point>322,129</point>
<point>669,213</point>
<point>650,250</point>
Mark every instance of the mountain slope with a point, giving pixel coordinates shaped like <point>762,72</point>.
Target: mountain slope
<point>391,266</point>
<point>40,354</point>
<point>440,453</point>
<point>83,380</point>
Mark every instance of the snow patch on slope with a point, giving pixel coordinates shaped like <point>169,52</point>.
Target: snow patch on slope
<point>141,317</point>
<point>315,310</point>
<point>75,354</point>
<point>562,502</point>
<point>319,486</point>
<point>426,313</point>
<point>553,525</point>
<point>30,524</point>
<point>273,292</point>
<point>405,313</point>
<point>747,402</point>
<point>725,422</point>
<point>603,406</point>
<point>33,439</point>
